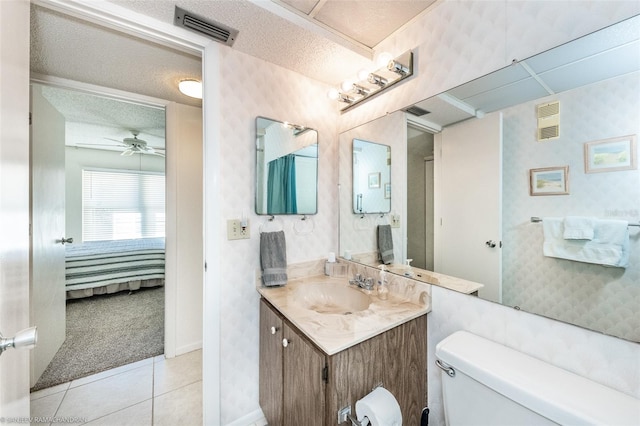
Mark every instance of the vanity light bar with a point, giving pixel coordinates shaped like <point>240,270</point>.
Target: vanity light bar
<point>369,84</point>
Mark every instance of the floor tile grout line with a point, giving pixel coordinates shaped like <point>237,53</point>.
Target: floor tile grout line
<point>118,410</point>
<point>153,393</point>
<point>178,388</point>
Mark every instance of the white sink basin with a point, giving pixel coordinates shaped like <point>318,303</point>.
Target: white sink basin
<point>331,298</point>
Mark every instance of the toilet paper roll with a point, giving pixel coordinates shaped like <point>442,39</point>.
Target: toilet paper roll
<point>380,407</point>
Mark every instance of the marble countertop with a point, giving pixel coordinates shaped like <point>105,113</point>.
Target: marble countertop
<point>441,280</point>
<point>335,332</point>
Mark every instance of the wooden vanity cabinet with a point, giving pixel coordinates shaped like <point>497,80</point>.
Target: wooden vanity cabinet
<point>292,384</point>
<point>300,385</point>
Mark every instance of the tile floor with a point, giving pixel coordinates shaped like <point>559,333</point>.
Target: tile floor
<point>154,391</point>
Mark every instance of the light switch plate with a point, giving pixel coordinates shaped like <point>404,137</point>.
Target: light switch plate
<point>395,221</point>
<point>235,230</point>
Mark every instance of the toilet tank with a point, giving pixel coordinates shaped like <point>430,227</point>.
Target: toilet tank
<point>496,385</point>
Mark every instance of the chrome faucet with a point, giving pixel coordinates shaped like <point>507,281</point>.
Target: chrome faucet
<point>360,281</point>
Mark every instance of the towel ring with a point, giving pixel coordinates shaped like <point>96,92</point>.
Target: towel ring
<point>304,220</point>
<point>265,225</point>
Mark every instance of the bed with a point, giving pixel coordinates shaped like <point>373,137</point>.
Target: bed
<point>104,267</point>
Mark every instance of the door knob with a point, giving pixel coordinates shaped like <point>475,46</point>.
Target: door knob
<point>64,240</point>
<point>274,330</point>
<point>25,339</point>
<point>490,243</point>
<point>285,342</point>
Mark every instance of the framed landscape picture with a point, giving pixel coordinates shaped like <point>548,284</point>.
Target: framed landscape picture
<point>549,181</point>
<point>610,155</point>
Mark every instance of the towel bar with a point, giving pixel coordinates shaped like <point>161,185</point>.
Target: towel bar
<point>536,219</point>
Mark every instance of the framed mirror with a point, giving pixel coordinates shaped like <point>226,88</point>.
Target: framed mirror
<point>371,177</point>
<point>595,80</point>
<point>286,168</point>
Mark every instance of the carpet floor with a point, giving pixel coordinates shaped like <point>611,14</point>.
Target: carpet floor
<point>105,332</point>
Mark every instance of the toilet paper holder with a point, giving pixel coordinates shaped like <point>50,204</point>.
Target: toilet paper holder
<point>344,413</point>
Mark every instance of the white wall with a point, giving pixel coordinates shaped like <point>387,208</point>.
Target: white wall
<point>184,271</point>
<point>78,158</point>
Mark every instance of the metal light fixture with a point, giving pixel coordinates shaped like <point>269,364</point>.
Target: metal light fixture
<point>369,83</point>
<point>377,80</point>
<point>398,68</point>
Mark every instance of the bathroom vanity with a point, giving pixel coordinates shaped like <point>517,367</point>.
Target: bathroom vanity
<point>324,344</point>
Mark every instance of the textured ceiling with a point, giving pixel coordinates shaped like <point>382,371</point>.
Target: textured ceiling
<point>327,40</point>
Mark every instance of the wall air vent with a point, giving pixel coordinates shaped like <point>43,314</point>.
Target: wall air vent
<point>416,110</point>
<point>548,121</point>
<point>218,32</point>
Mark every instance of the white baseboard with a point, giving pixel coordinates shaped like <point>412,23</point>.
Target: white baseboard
<point>182,349</point>
<point>254,418</point>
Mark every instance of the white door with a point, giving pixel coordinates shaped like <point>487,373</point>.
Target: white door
<point>48,306</point>
<point>14,203</point>
<point>470,203</point>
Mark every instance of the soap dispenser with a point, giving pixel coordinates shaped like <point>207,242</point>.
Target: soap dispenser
<point>383,289</point>
<point>408,272</point>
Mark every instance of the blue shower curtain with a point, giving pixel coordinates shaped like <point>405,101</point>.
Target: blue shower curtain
<point>281,186</point>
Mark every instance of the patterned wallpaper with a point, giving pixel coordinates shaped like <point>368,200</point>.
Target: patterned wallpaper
<point>455,42</point>
<point>593,296</point>
<point>254,88</point>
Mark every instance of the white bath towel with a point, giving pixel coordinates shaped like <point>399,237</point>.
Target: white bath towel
<point>579,228</point>
<point>609,246</point>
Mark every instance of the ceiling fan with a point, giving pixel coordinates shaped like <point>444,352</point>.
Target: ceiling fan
<point>133,146</point>
<point>137,146</point>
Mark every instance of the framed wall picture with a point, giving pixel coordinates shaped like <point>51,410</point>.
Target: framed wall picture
<point>374,180</point>
<point>610,155</point>
<point>549,181</point>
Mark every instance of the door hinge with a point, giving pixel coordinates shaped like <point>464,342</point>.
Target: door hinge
<point>325,373</point>
<point>30,119</point>
<point>205,266</point>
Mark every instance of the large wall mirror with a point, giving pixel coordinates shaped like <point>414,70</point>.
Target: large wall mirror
<point>490,136</point>
<point>286,168</point>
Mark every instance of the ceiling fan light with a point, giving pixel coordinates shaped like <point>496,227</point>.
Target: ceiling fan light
<point>190,87</point>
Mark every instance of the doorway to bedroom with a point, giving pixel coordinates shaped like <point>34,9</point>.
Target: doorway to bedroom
<point>113,187</point>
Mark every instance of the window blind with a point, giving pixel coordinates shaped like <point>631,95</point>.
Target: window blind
<point>119,205</point>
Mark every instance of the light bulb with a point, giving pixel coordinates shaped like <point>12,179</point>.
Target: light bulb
<point>347,85</point>
<point>383,59</point>
<point>363,74</point>
<point>333,94</point>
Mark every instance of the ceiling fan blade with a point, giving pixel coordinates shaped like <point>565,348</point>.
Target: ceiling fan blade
<point>115,140</point>
<point>127,153</point>
<point>99,144</point>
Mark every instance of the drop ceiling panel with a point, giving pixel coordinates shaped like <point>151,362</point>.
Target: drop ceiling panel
<point>441,112</point>
<point>503,77</point>
<point>505,96</point>
<point>616,62</point>
<point>304,6</point>
<point>369,22</point>
<point>609,38</point>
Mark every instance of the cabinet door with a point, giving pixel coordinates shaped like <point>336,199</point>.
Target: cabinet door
<point>271,390</point>
<point>304,387</point>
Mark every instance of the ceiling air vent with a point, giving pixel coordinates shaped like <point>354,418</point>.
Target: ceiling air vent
<point>548,121</point>
<point>416,110</point>
<point>211,29</point>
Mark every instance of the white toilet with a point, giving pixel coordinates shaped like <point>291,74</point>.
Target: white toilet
<point>485,383</point>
